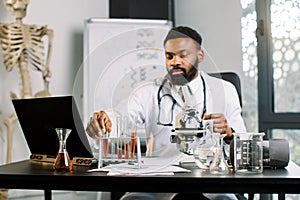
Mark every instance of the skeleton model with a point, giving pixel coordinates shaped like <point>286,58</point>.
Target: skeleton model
<point>23,46</point>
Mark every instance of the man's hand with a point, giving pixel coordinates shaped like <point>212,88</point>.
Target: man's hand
<point>98,125</point>
<point>220,124</point>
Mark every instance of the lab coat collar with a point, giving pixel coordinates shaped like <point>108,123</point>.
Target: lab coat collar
<point>195,85</point>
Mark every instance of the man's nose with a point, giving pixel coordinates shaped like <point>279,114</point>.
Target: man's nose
<point>176,60</point>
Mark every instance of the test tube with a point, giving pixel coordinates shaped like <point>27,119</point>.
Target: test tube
<point>125,134</point>
<point>119,142</point>
<point>132,145</point>
<point>139,155</point>
<point>133,138</point>
<point>100,163</point>
<point>112,144</point>
<point>126,149</point>
<point>105,144</point>
<point>119,152</point>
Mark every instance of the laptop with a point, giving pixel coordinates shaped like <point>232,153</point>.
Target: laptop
<point>39,117</point>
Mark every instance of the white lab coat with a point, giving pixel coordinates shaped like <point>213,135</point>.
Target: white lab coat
<point>221,97</point>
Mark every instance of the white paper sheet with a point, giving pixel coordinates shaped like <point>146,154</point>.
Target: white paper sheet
<point>149,166</point>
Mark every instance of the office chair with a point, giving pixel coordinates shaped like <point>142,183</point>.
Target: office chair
<point>233,78</point>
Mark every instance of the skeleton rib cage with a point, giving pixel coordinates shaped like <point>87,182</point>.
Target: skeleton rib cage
<point>23,43</point>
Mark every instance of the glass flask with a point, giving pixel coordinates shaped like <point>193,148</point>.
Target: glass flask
<point>63,161</point>
<point>203,152</point>
<point>219,164</point>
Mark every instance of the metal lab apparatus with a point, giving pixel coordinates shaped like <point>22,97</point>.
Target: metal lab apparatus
<point>189,130</point>
<point>189,126</point>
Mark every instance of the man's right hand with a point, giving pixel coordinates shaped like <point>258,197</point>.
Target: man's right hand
<point>98,125</point>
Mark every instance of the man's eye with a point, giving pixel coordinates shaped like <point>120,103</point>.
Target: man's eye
<point>183,55</point>
<point>169,56</point>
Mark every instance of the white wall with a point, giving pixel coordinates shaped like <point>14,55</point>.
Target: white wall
<point>217,21</point>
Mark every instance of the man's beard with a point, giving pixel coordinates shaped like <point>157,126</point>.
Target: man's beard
<point>184,78</point>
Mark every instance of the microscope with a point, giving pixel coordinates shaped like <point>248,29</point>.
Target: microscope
<point>191,131</point>
<point>189,126</point>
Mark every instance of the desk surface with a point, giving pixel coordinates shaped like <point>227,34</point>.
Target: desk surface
<point>29,175</point>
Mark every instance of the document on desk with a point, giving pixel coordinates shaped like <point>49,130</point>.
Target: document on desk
<point>149,166</point>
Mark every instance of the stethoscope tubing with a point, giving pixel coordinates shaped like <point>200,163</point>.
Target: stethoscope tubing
<point>174,101</point>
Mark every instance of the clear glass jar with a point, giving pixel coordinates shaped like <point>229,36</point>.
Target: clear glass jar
<point>219,164</point>
<point>204,150</point>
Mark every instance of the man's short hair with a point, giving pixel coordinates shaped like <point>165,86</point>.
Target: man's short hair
<point>184,32</point>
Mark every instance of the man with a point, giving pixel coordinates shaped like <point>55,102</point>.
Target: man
<point>157,104</point>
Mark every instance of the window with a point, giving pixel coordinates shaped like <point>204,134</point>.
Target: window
<point>271,64</point>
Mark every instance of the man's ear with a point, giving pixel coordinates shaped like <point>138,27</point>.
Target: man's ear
<point>200,55</point>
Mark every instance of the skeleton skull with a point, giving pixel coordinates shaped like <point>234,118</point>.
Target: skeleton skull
<point>17,7</point>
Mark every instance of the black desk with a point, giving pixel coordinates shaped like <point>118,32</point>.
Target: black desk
<point>29,175</point>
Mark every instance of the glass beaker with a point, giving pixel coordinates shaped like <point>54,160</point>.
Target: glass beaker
<point>219,164</point>
<point>203,152</point>
<point>248,153</point>
<point>63,161</point>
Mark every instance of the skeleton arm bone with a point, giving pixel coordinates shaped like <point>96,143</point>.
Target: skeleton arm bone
<point>9,124</point>
<point>47,72</point>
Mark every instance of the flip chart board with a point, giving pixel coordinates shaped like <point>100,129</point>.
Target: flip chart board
<point>118,54</point>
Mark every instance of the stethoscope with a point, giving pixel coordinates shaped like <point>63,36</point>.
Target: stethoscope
<point>174,102</point>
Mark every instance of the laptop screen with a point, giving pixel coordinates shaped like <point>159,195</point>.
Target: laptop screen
<point>39,117</point>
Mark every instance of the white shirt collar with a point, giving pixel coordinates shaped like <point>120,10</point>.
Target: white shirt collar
<point>194,85</point>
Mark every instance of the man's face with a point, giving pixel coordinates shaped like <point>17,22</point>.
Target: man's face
<point>182,57</point>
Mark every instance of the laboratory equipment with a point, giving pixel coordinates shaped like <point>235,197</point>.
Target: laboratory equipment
<point>189,127</point>
<point>219,164</point>
<point>63,161</point>
<point>204,150</point>
<point>125,147</point>
<point>248,153</point>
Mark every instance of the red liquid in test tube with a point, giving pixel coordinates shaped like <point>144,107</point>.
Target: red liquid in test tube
<point>105,146</point>
<point>132,144</point>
